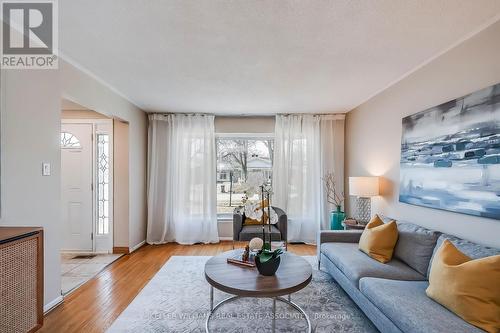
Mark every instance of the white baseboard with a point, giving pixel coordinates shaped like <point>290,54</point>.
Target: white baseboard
<point>76,251</point>
<point>226,238</point>
<point>52,304</point>
<point>132,249</point>
<point>86,252</point>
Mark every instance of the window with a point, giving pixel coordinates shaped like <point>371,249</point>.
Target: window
<point>243,163</point>
<point>68,140</point>
<point>103,184</point>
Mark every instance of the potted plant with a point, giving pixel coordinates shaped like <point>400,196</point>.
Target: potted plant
<point>336,199</point>
<point>267,260</point>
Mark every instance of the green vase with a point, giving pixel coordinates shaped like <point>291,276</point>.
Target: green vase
<point>336,218</point>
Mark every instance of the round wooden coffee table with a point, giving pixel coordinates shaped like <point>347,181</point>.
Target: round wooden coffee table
<point>293,275</point>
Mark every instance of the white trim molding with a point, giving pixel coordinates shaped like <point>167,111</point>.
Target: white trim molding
<point>72,62</point>
<point>53,304</point>
<point>136,247</point>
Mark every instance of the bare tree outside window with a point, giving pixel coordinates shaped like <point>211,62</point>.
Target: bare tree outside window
<point>239,159</point>
<point>234,154</point>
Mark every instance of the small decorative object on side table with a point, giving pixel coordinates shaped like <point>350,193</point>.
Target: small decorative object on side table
<point>336,218</point>
<point>352,224</point>
<point>336,199</point>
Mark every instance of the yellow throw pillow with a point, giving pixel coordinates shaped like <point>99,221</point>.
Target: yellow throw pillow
<point>378,239</point>
<point>469,288</point>
<point>249,221</point>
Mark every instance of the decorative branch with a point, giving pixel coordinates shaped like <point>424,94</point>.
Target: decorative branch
<point>332,196</point>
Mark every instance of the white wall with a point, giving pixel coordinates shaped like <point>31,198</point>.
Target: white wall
<point>90,93</point>
<point>225,124</point>
<point>30,130</point>
<point>121,181</point>
<point>373,131</point>
<point>30,134</point>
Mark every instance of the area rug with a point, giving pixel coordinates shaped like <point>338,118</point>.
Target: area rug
<point>177,300</point>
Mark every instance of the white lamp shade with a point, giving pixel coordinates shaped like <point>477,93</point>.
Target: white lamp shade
<point>363,186</point>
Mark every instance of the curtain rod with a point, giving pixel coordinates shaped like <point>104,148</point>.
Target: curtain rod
<point>181,114</point>
<point>333,115</point>
<point>339,115</point>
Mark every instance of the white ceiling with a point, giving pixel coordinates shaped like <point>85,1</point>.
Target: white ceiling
<point>261,57</point>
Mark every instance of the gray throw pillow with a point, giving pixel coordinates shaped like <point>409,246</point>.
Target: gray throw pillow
<point>415,246</point>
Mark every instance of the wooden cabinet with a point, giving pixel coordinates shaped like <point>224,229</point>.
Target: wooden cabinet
<point>21,279</point>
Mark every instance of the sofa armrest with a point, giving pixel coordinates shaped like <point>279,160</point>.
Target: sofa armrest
<point>337,236</point>
<point>282,224</point>
<point>237,223</point>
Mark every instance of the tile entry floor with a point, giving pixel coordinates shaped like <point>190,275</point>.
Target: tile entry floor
<point>77,271</point>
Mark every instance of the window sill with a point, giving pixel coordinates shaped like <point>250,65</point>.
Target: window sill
<point>224,220</point>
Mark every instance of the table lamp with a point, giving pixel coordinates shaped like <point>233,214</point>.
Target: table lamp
<point>363,188</point>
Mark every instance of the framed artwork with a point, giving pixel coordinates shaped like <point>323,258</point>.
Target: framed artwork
<point>450,155</point>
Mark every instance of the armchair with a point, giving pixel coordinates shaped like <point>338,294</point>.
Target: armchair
<point>247,232</point>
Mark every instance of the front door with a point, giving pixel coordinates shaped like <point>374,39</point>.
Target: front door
<point>76,186</point>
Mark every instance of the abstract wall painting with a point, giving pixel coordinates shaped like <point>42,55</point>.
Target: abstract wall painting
<point>450,155</point>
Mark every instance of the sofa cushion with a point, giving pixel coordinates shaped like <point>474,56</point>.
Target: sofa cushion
<point>415,246</point>
<point>355,264</point>
<point>470,249</point>
<point>408,307</point>
<point>250,231</point>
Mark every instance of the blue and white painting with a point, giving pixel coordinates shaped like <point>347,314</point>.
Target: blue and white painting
<point>450,155</point>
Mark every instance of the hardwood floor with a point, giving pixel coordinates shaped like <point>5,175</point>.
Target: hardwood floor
<point>94,306</point>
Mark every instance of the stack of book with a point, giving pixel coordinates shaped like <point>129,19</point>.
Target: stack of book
<point>350,222</point>
<point>236,259</point>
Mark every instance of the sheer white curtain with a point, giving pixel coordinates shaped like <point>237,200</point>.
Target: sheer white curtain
<point>332,159</point>
<point>182,179</point>
<point>306,147</point>
<point>296,171</point>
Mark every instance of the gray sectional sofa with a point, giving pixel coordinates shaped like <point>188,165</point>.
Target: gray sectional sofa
<point>393,295</point>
